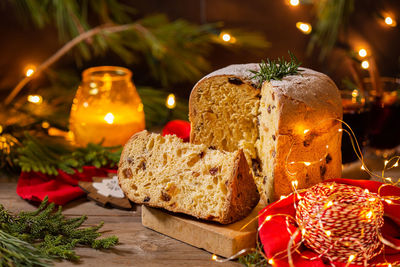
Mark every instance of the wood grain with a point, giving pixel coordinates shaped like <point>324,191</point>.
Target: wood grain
<point>138,246</point>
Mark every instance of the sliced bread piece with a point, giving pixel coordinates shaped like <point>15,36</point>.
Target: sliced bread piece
<point>181,177</point>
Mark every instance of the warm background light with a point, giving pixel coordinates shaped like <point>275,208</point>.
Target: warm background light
<point>365,64</point>
<point>304,27</point>
<point>29,70</point>
<point>294,2</point>
<point>170,103</point>
<point>35,99</point>
<point>226,37</point>
<point>362,52</point>
<point>390,21</point>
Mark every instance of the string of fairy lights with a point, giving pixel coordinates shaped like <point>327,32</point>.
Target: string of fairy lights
<point>372,213</point>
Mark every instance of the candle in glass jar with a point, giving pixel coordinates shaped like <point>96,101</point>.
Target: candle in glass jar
<point>106,108</point>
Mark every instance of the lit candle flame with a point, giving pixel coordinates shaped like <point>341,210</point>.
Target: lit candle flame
<point>109,118</point>
<point>304,27</point>
<point>35,99</point>
<point>171,103</point>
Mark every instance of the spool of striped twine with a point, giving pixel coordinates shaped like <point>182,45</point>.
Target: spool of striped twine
<point>341,222</point>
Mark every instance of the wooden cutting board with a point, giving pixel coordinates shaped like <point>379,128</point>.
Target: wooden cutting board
<point>223,240</point>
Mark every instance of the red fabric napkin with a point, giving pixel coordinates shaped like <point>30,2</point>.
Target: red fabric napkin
<point>275,237</point>
<point>179,128</point>
<point>61,189</point>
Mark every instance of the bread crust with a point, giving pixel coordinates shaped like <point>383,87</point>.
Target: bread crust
<point>243,195</point>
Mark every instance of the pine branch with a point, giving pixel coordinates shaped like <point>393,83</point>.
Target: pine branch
<point>62,51</point>
<point>53,235</point>
<point>15,252</point>
<point>276,70</point>
<point>48,155</point>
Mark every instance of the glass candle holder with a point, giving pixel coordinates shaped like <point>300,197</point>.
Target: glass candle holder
<point>106,107</point>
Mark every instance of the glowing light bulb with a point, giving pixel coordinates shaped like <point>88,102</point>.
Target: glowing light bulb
<point>351,258</point>
<point>35,99</point>
<point>226,37</point>
<point>368,215</point>
<point>170,103</point>
<point>365,64</point>
<point>85,104</point>
<point>214,257</point>
<point>304,27</point>
<point>271,261</point>
<point>328,233</point>
<point>329,204</point>
<point>109,118</point>
<point>362,52</point>
<point>294,2</point>
<point>45,125</point>
<point>29,70</point>
<point>390,21</point>
<point>388,179</point>
<point>307,163</point>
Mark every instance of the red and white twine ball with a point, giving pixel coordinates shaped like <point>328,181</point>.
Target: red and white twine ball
<point>341,222</point>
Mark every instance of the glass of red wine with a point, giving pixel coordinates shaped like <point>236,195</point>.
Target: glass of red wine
<point>355,114</point>
<point>384,118</point>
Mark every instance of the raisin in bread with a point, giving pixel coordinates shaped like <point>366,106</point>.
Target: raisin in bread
<point>280,126</point>
<point>181,177</point>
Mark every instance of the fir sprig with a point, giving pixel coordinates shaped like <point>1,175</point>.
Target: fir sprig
<point>53,235</point>
<point>15,252</point>
<point>276,69</point>
<point>48,156</point>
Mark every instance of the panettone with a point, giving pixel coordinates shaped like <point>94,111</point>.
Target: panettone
<point>194,179</point>
<point>288,129</point>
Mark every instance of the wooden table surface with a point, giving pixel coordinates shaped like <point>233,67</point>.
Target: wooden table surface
<point>138,246</point>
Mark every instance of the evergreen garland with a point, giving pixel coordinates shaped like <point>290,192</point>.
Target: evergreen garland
<point>47,156</point>
<point>51,234</point>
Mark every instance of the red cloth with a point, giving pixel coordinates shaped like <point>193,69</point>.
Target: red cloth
<point>60,189</point>
<point>275,237</point>
<point>179,128</point>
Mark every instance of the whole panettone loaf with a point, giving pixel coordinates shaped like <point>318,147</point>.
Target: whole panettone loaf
<point>197,180</point>
<point>287,128</point>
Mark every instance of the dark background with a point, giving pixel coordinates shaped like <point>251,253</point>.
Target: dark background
<point>22,44</point>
